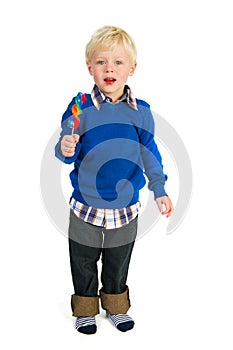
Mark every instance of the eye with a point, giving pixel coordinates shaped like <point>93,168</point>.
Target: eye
<point>100,62</point>
<point>118,63</point>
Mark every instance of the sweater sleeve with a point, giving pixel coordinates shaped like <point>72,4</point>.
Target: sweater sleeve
<point>65,130</point>
<point>151,156</point>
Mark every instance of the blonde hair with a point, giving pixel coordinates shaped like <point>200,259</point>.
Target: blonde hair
<point>107,38</point>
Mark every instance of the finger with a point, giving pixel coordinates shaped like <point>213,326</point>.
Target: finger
<point>69,149</point>
<point>68,139</point>
<point>69,142</point>
<point>68,153</point>
<point>170,211</point>
<point>68,146</point>
<point>166,208</point>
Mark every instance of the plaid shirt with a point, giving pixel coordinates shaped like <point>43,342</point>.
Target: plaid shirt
<point>98,97</point>
<point>107,218</point>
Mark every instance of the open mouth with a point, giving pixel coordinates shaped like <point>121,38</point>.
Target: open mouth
<point>109,80</point>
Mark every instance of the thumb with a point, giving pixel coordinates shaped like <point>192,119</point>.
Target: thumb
<point>160,204</point>
<point>76,138</point>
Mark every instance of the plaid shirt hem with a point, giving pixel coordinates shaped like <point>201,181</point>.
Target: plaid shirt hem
<point>107,218</point>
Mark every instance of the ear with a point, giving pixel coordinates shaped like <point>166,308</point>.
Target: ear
<point>132,69</point>
<point>89,68</point>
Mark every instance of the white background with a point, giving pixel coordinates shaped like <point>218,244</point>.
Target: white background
<point>181,285</point>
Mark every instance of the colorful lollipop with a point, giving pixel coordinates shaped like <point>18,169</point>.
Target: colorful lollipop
<point>74,121</point>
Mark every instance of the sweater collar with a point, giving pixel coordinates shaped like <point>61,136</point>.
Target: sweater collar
<point>98,97</point>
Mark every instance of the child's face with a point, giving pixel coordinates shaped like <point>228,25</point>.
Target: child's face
<point>110,70</point>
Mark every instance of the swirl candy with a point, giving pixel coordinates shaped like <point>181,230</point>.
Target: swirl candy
<point>74,121</point>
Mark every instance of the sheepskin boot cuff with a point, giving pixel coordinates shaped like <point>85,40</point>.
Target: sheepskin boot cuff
<point>84,306</point>
<point>115,303</point>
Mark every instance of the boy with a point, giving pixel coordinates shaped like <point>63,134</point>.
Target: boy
<point>113,147</point>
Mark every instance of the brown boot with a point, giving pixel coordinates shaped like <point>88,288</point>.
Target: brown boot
<point>84,306</point>
<point>115,303</point>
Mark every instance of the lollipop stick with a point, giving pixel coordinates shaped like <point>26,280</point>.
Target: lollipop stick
<point>72,133</point>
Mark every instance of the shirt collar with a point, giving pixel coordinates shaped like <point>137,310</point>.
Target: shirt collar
<point>98,97</point>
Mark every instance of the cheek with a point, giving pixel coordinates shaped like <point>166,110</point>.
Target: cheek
<point>124,75</point>
<point>96,73</point>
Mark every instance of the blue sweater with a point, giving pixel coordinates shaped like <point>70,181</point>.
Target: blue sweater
<point>115,149</point>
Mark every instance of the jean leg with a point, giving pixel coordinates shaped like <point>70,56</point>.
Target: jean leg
<point>116,260</point>
<point>115,268</point>
<point>83,257</point>
<point>83,263</point>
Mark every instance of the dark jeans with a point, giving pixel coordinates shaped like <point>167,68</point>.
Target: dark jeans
<point>87,243</point>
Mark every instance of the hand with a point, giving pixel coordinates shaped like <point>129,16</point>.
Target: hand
<point>165,206</point>
<point>68,144</point>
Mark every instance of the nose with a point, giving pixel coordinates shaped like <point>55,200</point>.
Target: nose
<point>109,67</point>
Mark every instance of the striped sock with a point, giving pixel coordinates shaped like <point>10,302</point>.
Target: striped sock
<point>86,325</point>
<point>123,322</point>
